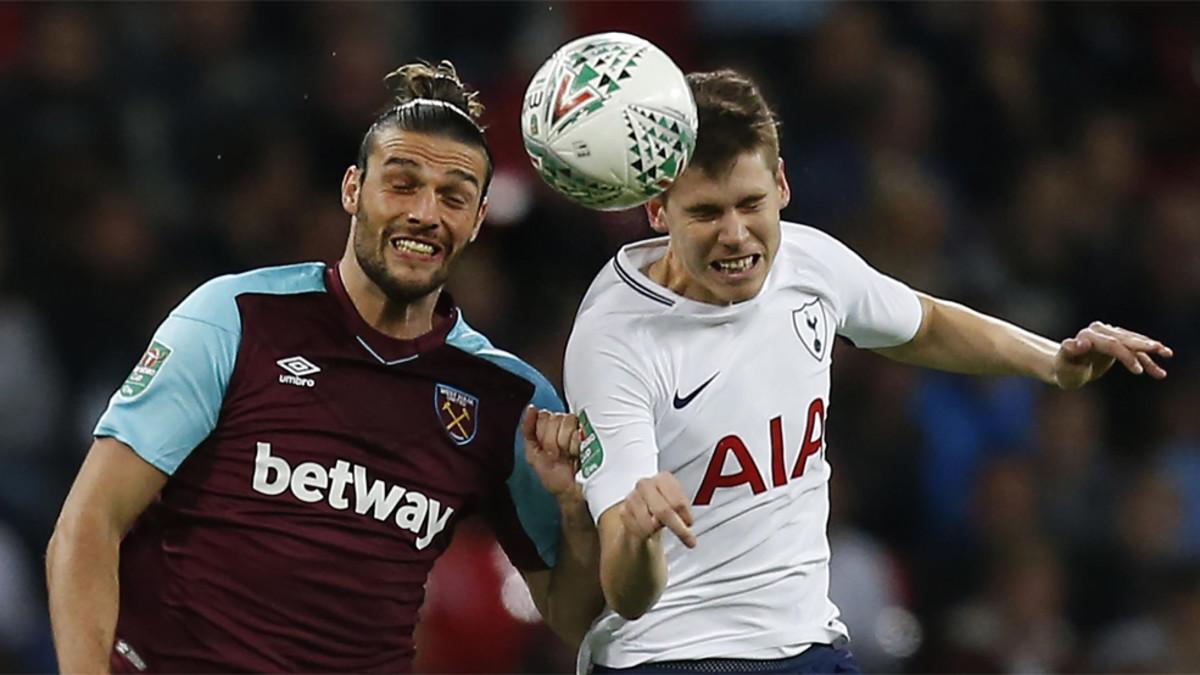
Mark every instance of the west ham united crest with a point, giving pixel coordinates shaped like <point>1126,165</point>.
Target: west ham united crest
<point>812,328</point>
<point>458,411</point>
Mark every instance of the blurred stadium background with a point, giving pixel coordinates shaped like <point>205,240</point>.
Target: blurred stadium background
<point>1038,161</point>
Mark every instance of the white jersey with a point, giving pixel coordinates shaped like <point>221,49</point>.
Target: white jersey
<point>733,401</point>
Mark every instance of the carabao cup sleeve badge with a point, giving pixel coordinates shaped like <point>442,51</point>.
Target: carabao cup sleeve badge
<point>591,453</point>
<point>146,369</point>
<point>458,411</point>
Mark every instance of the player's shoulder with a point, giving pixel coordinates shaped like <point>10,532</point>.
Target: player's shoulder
<point>620,293</point>
<point>806,241</point>
<point>215,301</point>
<point>465,338</point>
<point>805,251</point>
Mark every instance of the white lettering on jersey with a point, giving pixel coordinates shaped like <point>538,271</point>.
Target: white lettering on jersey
<point>311,483</point>
<point>297,367</point>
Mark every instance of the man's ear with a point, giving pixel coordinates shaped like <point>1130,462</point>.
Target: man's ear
<point>785,191</point>
<point>479,218</point>
<point>351,185</point>
<point>655,213</point>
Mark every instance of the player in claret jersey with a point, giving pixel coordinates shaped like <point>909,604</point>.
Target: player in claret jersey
<point>699,367</point>
<point>298,444</point>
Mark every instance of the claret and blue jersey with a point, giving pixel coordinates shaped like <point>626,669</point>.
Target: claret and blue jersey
<point>317,469</point>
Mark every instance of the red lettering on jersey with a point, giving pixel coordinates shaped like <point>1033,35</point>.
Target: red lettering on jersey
<point>814,436</point>
<point>713,478</point>
<point>778,476</point>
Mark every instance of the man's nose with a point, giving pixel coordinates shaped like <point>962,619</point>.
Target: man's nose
<point>423,208</point>
<point>733,230</point>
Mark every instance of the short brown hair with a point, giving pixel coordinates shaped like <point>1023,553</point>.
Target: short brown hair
<point>734,119</point>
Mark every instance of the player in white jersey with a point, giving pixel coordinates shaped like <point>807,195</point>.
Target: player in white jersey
<point>699,365</point>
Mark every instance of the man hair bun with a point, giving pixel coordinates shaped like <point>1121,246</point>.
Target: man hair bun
<point>439,83</point>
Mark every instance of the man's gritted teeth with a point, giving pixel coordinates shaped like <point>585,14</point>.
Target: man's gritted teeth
<point>736,265</point>
<point>415,248</point>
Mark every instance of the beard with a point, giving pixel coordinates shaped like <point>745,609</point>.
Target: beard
<point>369,249</point>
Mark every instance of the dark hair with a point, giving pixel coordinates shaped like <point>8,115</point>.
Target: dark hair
<point>734,119</point>
<point>430,99</point>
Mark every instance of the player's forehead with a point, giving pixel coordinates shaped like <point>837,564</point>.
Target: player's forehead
<point>400,150</point>
<point>750,173</point>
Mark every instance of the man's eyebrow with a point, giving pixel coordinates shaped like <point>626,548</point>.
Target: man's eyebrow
<point>401,161</point>
<point>466,176</point>
<point>703,207</point>
<point>413,164</point>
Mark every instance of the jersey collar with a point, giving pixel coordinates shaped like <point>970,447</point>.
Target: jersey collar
<point>631,259</point>
<point>385,348</point>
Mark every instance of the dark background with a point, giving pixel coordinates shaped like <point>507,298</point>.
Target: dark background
<point>1036,161</point>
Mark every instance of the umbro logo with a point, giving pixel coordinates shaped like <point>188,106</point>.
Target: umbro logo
<point>297,367</point>
<point>679,403</point>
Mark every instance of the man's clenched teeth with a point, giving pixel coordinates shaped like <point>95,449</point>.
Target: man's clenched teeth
<point>413,246</point>
<point>736,264</point>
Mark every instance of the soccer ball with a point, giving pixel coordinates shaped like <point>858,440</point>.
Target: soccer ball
<point>609,121</point>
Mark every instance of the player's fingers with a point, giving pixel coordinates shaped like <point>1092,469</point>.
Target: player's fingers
<point>672,491</point>
<point>674,523</point>
<point>637,517</point>
<point>545,431</point>
<point>1134,341</point>
<point>529,425</point>
<point>1077,346</point>
<point>1110,346</point>
<point>576,444</point>
<point>664,510</point>
<point>568,426</point>
<point>1153,369</point>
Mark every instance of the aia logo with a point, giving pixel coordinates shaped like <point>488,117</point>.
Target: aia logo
<point>748,472</point>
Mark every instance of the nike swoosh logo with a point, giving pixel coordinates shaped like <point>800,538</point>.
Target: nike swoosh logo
<point>681,402</point>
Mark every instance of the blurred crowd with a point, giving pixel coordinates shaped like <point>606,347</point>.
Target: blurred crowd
<point>1036,161</point>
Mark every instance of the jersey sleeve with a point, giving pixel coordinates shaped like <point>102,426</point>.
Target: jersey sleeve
<point>614,401</point>
<point>169,403</point>
<point>876,310</point>
<point>530,530</point>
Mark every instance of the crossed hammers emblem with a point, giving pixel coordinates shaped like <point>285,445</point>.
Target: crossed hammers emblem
<point>457,420</point>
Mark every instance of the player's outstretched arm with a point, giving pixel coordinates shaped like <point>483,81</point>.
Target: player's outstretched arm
<point>568,596</point>
<point>113,487</point>
<point>633,566</point>
<point>958,339</point>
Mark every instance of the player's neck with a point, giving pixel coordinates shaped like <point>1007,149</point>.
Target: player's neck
<point>403,321</point>
<point>668,272</point>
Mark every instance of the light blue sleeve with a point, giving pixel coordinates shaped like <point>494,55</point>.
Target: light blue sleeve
<point>536,508</point>
<point>170,402</point>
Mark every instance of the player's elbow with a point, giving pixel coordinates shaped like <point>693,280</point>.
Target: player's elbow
<point>630,603</point>
<point>630,611</point>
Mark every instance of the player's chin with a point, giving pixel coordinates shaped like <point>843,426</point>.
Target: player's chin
<point>409,283</point>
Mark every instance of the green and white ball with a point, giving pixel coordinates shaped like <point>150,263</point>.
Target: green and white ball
<point>609,121</point>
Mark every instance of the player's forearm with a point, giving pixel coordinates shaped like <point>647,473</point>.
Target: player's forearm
<point>959,339</point>
<point>575,599</point>
<point>633,573</point>
<point>81,574</point>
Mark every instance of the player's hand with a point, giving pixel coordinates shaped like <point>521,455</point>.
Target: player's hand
<point>552,448</point>
<point>1096,348</point>
<point>657,502</point>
